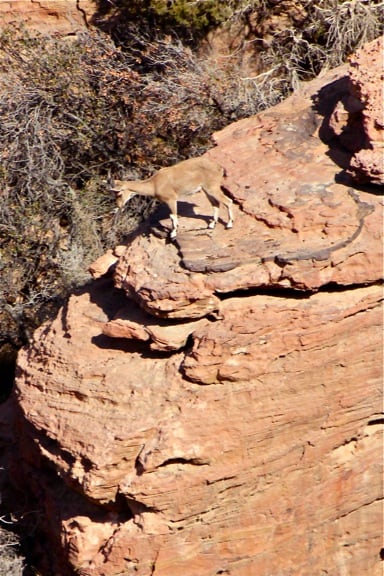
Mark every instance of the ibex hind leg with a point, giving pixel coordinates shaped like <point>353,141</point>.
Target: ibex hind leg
<point>215,203</point>
<point>173,232</point>
<point>216,200</point>
<point>228,202</point>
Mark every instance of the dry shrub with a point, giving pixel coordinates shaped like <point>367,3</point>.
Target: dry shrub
<point>329,33</point>
<point>348,24</point>
<point>59,132</point>
<point>11,563</point>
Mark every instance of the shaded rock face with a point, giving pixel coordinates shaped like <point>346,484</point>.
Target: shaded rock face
<point>358,118</point>
<point>214,406</point>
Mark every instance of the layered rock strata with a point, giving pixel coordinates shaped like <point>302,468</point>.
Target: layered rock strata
<point>213,405</point>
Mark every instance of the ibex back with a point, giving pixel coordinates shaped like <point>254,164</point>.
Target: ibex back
<point>168,184</point>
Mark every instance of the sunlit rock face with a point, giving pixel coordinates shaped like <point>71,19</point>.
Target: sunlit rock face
<point>47,16</point>
<point>211,405</point>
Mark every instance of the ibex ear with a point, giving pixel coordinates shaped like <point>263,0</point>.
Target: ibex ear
<point>110,180</point>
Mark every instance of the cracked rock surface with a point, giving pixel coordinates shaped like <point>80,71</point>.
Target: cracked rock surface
<point>214,405</point>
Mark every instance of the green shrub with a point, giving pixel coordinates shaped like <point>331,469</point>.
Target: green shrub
<point>199,16</point>
<point>190,20</point>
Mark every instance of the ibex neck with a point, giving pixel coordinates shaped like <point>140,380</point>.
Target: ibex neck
<point>143,187</point>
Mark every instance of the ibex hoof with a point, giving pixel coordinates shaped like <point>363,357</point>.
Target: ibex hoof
<point>229,225</point>
<point>212,224</point>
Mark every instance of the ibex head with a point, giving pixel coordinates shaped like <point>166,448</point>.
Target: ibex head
<point>120,188</point>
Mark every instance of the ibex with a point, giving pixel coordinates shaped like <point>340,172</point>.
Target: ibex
<point>168,184</point>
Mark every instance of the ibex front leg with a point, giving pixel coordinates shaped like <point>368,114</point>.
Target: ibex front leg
<point>218,198</point>
<point>215,217</point>
<point>172,204</point>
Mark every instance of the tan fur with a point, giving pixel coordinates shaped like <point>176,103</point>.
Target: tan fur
<point>168,184</point>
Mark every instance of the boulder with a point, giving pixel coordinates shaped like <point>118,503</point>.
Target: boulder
<point>257,449</point>
<point>298,224</point>
<point>358,118</point>
<point>213,405</point>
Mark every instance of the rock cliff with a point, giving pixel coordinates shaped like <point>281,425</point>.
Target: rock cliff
<point>213,405</point>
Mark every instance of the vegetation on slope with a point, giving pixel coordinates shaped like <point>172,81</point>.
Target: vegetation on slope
<point>338,26</point>
<point>71,111</point>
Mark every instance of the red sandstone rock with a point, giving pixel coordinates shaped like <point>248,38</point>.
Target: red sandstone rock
<point>132,323</point>
<point>295,225</point>
<point>200,422</point>
<point>272,466</point>
<point>106,263</point>
<point>358,120</point>
<point>47,16</point>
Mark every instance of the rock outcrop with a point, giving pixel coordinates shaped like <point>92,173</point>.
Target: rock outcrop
<point>358,119</point>
<point>213,405</point>
<point>47,16</point>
